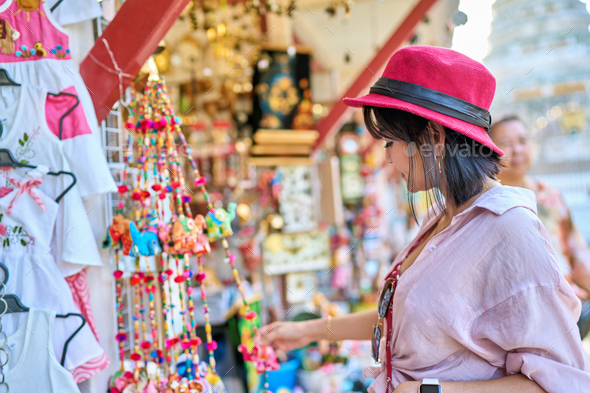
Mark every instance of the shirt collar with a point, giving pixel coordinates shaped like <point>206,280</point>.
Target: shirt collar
<point>499,200</point>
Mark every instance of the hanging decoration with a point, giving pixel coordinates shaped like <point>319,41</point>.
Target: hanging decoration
<point>332,9</point>
<point>155,227</point>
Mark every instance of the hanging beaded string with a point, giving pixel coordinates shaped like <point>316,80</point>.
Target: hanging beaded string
<point>121,336</point>
<point>229,257</point>
<point>136,355</point>
<point>200,182</point>
<point>210,346</point>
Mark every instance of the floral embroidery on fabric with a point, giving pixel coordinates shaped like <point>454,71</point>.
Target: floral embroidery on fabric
<point>59,52</point>
<point>7,37</point>
<point>14,234</point>
<point>25,151</point>
<point>29,6</point>
<point>37,50</point>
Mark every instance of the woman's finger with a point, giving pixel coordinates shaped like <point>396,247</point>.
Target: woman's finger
<point>268,333</point>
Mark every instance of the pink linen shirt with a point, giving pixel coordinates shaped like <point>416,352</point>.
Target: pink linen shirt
<point>485,299</point>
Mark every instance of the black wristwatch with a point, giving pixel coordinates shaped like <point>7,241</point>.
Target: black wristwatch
<point>430,386</point>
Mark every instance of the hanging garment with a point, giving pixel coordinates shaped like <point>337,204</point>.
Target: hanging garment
<point>31,366</point>
<point>75,11</point>
<point>27,218</point>
<point>28,136</point>
<point>34,50</point>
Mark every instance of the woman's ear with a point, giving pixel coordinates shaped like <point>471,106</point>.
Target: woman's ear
<point>439,136</point>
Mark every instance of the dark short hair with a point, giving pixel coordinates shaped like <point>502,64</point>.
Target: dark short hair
<point>506,119</point>
<point>466,163</point>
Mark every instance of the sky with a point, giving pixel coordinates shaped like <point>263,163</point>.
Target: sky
<point>471,38</point>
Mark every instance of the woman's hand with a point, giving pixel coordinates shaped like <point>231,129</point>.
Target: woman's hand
<point>286,336</point>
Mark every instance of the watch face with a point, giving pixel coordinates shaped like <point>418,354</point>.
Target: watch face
<point>430,389</point>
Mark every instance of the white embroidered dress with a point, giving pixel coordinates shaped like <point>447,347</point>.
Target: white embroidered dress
<point>27,218</point>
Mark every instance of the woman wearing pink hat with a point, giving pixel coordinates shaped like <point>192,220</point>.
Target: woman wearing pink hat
<point>476,300</point>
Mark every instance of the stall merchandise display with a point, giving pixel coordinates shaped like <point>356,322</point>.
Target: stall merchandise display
<point>162,226</point>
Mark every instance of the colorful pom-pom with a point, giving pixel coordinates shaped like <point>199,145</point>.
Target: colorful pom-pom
<point>200,181</point>
<point>170,342</point>
<point>179,279</point>
<point>201,276</point>
<point>121,337</point>
<point>121,204</point>
<point>136,195</point>
<point>145,345</point>
<point>162,195</point>
<point>250,315</point>
<point>232,258</point>
<point>186,199</point>
<point>185,344</point>
<point>123,189</point>
<point>135,279</point>
<point>163,122</point>
<point>175,184</point>
<point>212,346</point>
<point>157,187</point>
<point>168,189</point>
<point>135,356</point>
<point>118,273</point>
<point>195,341</point>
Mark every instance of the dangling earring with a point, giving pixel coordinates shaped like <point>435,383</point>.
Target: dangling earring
<point>440,158</point>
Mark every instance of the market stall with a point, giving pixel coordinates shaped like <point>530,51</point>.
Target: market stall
<point>222,203</point>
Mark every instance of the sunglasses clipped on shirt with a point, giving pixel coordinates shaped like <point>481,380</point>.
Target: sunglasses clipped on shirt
<point>384,304</point>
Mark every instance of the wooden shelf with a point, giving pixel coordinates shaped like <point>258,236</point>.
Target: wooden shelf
<point>280,161</point>
<point>281,150</point>
<point>282,137</point>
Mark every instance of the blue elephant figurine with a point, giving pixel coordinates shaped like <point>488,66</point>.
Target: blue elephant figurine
<point>144,243</point>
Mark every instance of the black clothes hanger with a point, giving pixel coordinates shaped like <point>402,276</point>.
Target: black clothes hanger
<point>5,80</point>
<point>14,305</point>
<point>56,5</point>
<point>8,160</point>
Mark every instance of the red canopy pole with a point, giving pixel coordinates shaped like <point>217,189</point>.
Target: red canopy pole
<point>339,113</point>
<point>132,36</point>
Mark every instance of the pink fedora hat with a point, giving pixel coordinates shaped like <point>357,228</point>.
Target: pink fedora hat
<point>438,84</point>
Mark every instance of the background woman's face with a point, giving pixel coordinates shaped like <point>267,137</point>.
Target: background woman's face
<point>512,137</point>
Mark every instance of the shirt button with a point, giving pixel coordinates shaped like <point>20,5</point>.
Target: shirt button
<point>432,248</point>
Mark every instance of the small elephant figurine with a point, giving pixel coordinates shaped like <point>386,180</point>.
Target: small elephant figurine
<point>181,235</point>
<point>120,237</point>
<point>219,223</point>
<point>165,235</point>
<point>201,246</point>
<point>144,242</point>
